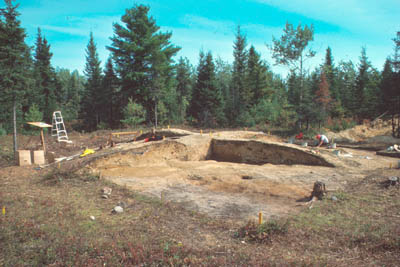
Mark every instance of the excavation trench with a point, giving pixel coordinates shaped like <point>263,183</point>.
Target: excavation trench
<point>231,178</point>
<point>255,152</point>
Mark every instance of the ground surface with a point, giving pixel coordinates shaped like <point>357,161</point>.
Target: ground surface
<point>179,170</point>
<point>186,207</point>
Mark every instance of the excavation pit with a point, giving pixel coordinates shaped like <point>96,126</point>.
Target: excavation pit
<point>259,153</point>
<point>224,176</point>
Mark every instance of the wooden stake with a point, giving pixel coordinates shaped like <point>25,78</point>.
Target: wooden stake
<point>260,218</point>
<point>42,138</point>
<point>4,210</point>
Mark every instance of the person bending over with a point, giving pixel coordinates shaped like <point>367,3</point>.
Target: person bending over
<point>322,140</point>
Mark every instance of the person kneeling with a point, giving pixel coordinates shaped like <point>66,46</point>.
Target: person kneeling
<point>322,140</point>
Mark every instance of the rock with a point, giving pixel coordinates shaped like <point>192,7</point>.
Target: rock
<point>195,177</point>
<point>105,196</point>
<point>118,209</point>
<point>106,190</point>
<point>92,218</point>
<point>334,198</point>
<point>122,204</point>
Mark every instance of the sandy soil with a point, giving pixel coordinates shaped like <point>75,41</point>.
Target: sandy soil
<point>179,169</point>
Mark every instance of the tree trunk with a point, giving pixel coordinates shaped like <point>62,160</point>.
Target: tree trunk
<point>15,126</point>
<point>301,82</point>
<point>155,112</point>
<point>393,125</point>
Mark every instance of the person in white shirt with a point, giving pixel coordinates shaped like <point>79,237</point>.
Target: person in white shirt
<point>322,140</point>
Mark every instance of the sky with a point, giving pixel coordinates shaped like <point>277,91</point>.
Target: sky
<point>210,25</point>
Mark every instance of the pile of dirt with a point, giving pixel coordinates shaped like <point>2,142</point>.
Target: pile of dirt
<point>363,133</point>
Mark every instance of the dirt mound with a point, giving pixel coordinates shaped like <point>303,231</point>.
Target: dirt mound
<point>361,133</point>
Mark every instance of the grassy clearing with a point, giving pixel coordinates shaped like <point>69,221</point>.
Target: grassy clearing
<point>47,222</point>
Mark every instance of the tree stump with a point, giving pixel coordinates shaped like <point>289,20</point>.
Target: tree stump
<point>319,190</point>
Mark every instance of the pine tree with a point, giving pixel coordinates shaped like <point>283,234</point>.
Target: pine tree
<point>395,63</point>
<point>183,87</point>
<point>112,98</point>
<point>143,56</point>
<point>346,77</point>
<point>91,106</point>
<point>45,91</point>
<point>239,95</point>
<point>396,56</point>
<point>256,78</point>
<point>207,103</point>
<point>323,98</point>
<point>223,73</point>
<point>14,62</point>
<point>359,105</point>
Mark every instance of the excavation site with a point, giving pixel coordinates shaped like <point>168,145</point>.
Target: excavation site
<point>234,174</point>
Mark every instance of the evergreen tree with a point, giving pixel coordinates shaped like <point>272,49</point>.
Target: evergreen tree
<point>293,89</point>
<point>71,89</point>
<point>328,67</point>
<point>256,78</point>
<point>111,99</point>
<point>396,57</point>
<point>395,62</point>
<point>346,77</point>
<point>239,92</point>
<point>207,103</point>
<point>183,87</point>
<point>14,62</point>
<point>223,73</point>
<point>91,101</point>
<point>46,84</point>
<point>143,56</point>
<point>359,105</point>
<point>323,98</point>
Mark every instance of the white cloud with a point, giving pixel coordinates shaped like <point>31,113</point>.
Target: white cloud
<point>362,16</point>
<point>100,26</point>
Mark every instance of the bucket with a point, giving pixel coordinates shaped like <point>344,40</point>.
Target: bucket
<point>336,152</point>
<point>304,144</point>
<point>333,145</point>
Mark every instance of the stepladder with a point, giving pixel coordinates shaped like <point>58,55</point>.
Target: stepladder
<point>58,128</point>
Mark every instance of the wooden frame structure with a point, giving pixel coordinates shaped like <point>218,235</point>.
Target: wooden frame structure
<point>41,125</point>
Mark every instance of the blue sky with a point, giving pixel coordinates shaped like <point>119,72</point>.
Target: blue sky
<point>345,26</point>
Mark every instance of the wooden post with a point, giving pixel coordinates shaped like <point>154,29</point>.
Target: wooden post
<point>42,138</point>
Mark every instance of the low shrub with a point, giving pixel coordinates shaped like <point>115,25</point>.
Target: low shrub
<point>262,232</point>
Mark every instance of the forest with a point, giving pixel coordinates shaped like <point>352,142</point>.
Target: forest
<point>144,83</point>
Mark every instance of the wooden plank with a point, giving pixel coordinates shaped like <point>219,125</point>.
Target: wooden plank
<point>123,133</point>
<point>39,124</point>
